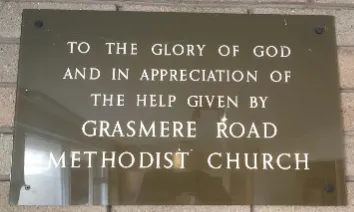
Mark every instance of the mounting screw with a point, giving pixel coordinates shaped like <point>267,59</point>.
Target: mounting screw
<point>38,24</point>
<point>320,30</point>
<point>329,188</point>
<point>27,187</point>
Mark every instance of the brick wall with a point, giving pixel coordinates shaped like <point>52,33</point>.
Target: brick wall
<point>10,19</point>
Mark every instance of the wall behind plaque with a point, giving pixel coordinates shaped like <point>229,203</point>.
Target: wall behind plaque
<point>10,20</point>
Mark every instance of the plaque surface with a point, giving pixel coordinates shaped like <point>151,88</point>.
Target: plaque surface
<point>137,108</point>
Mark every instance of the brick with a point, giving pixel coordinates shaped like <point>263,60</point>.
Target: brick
<point>348,208</point>
<point>148,8</point>
<point>4,192</point>
<point>349,153</point>
<point>5,154</point>
<point>11,13</point>
<point>346,67</point>
<point>334,1</point>
<point>7,106</point>
<point>5,207</point>
<point>8,64</point>
<point>348,111</point>
<point>344,20</point>
<point>193,208</point>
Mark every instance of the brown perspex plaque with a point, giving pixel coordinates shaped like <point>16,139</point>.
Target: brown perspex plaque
<point>139,108</point>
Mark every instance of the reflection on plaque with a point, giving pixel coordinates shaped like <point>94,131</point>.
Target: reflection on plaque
<point>136,108</point>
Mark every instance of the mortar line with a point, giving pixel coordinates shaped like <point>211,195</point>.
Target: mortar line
<point>8,85</point>
<point>6,130</point>
<point>347,90</point>
<point>350,179</point>
<point>348,133</point>
<point>4,178</point>
<point>347,47</point>
<point>9,40</point>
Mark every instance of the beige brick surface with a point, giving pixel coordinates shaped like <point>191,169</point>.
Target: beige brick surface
<point>150,8</point>
<point>7,106</point>
<point>214,3</point>
<point>334,1</point>
<point>349,153</point>
<point>8,63</point>
<point>344,20</point>
<point>346,67</point>
<point>5,154</point>
<point>11,13</point>
<point>181,208</point>
<point>5,207</point>
<point>348,208</point>
<point>348,111</point>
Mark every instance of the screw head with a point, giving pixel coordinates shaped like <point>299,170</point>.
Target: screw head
<point>27,187</point>
<point>319,30</point>
<point>329,188</point>
<point>38,24</point>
